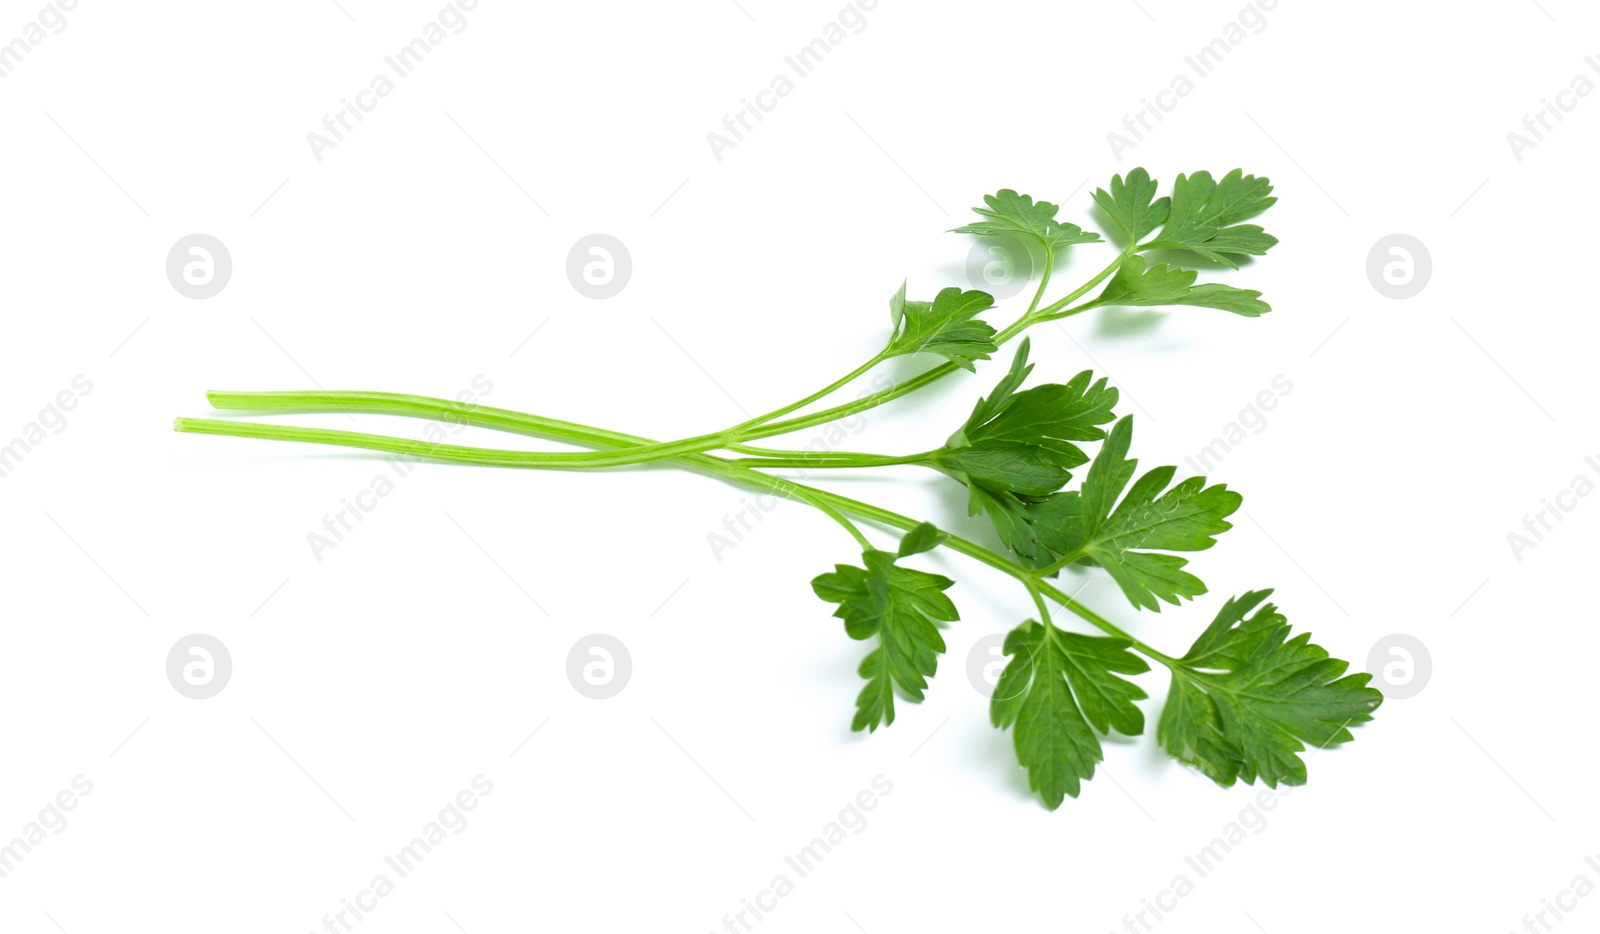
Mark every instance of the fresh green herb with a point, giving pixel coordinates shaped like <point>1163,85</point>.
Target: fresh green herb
<point>946,326</point>
<point>1018,447</point>
<point>902,609</point>
<point>1132,205</point>
<point>1056,687</point>
<point>1134,284</point>
<point>1011,213</point>
<point>1204,217</point>
<point>1245,700</point>
<point>1091,526</point>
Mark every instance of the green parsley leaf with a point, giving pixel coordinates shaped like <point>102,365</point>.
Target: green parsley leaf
<point>1247,698</point>
<point>1027,444</point>
<point>1246,302</point>
<point>1137,284</point>
<point>1008,513</point>
<point>902,609</point>
<point>1089,525</point>
<point>947,326</point>
<point>1133,205</point>
<point>1205,214</point>
<point>1050,415</point>
<point>991,405</point>
<point>925,537</point>
<point>1056,686</point>
<point>1017,446</point>
<point>1005,510</point>
<point>1019,215</point>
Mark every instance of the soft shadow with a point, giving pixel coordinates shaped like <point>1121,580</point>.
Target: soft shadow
<point>1128,322</point>
<point>1108,227</point>
<point>999,750</point>
<point>1187,260</point>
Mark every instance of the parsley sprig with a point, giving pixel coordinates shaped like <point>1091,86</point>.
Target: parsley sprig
<point>1247,697</point>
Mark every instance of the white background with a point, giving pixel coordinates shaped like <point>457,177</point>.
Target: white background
<point>368,688</point>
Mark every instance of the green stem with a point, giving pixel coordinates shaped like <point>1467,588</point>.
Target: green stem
<point>806,495</point>
<point>487,416</point>
<point>449,453</point>
<point>997,561</point>
<point>935,374</point>
<point>406,404</point>
<point>1060,563</point>
<point>833,461</point>
<point>572,432</point>
<point>839,517</point>
<point>827,390</point>
<point>1044,280</point>
<point>639,450</point>
<point>1038,601</point>
<point>1105,625</point>
<point>754,451</point>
